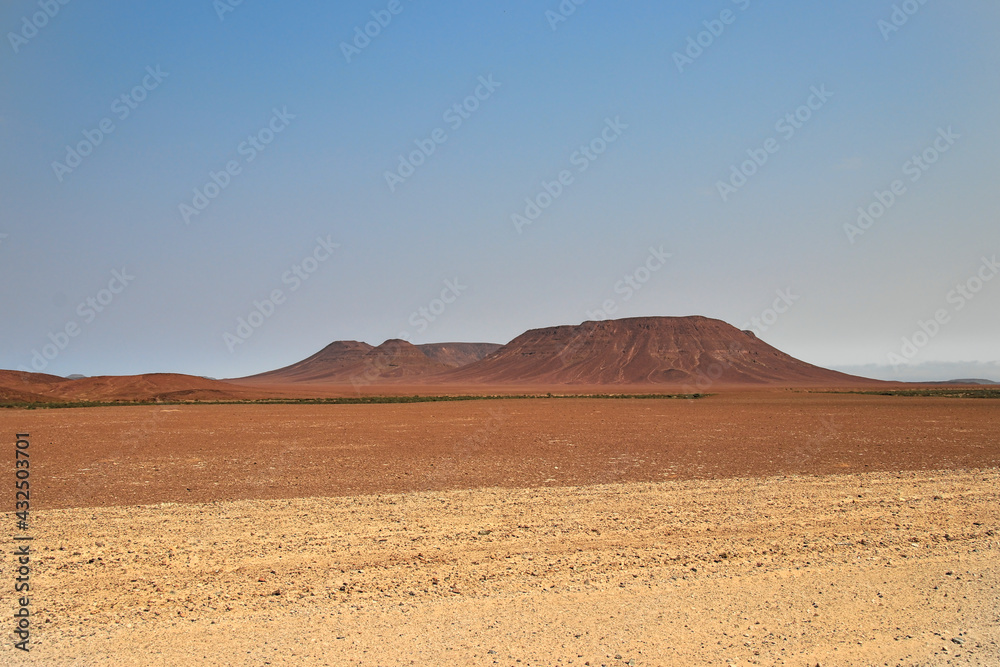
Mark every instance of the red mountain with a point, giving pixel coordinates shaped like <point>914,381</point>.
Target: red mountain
<point>644,350</point>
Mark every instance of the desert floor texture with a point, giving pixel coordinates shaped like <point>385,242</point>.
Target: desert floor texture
<point>771,527</point>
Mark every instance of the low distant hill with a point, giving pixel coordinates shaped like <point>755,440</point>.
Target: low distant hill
<point>965,382</point>
<point>353,362</point>
<point>19,387</point>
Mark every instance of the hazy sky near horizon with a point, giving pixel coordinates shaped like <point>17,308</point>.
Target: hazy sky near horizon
<point>708,158</point>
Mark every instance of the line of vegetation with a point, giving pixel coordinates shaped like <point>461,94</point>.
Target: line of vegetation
<point>984,392</point>
<point>342,400</point>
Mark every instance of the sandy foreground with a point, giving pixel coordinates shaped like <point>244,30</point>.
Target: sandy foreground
<point>863,569</point>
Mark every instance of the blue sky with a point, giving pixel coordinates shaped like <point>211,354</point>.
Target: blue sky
<point>642,138</point>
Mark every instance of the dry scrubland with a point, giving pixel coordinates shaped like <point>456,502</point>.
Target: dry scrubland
<point>767,528</point>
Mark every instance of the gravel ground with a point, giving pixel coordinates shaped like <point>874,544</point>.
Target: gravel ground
<point>860,569</point>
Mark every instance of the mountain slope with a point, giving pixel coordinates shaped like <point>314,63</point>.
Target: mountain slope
<point>328,363</point>
<point>351,362</point>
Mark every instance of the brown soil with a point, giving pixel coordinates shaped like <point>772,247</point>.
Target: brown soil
<point>202,453</point>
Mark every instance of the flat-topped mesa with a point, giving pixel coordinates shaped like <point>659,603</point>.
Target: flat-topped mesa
<point>642,351</point>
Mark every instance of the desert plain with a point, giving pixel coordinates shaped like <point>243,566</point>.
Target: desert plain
<point>777,526</point>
